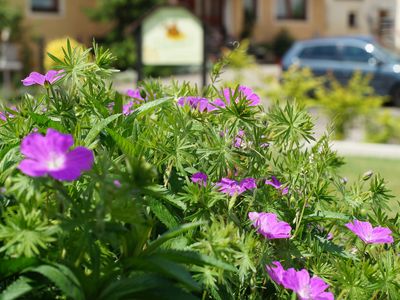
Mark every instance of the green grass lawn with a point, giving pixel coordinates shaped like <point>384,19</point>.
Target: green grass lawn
<point>389,169</point>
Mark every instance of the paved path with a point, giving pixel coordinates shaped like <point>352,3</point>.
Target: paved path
<point>366,149</point>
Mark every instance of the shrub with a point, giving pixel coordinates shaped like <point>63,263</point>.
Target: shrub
<point>383,127</point>
<point>345,104</point>
<point>174,193</point>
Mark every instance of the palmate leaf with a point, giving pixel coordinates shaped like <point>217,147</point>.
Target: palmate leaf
<point>62,277</point>
<point>18,288</point>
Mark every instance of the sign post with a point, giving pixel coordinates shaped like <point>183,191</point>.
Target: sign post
<point>171,36</point>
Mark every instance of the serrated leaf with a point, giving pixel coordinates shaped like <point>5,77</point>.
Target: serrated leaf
<point>158,191</point>
<point>126,146</point>
<point>63,278</point>
<point>162,213</point>
<point>17,289</point>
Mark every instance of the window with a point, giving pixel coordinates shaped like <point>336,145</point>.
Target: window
<point>352,20</point>
<point>291,9</point>
<point>51,6</point>
<point>319,52</point>
<point>356,54</point>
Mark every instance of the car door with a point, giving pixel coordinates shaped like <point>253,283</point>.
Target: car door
<point>321,59</point>
<point>357,58</point>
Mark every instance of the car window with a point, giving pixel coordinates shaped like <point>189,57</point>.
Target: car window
<point>356,54</point>
<point>319,52</point>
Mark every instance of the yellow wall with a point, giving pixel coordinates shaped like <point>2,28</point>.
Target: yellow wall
<point>267,25</point>
<point>72,21</point>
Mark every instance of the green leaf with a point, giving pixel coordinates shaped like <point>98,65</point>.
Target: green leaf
<point>162,213</point>
<point>126,146</point>
<point>146,107</point>
<point>170,234</point>
<point>158,191</point>
<point>195,258</point>
<point>63,278</point>
<point>167,268</point>
<point>19,287</point>
<point>96,129</point>
<point>143,286</point>
<point>12,266</point>
<point>45,121</point>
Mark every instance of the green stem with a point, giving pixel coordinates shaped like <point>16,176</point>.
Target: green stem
<point>299,220</point>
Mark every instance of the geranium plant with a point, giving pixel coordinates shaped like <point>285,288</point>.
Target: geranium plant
<point>161,200</point>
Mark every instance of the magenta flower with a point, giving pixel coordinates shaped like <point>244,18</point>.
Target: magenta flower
<point>305,287</point>
<point>127,108</point>
<point>276,273</point>
<point>135,94</point>
<point>239,139</point>
<point>200,178</point>
<point>197,103</point>
<point>274,182</point>
<point>246,92</point>
<point>50,154</point>
<point>117,183</point>
<point>370,235</point>
<point>232,187</point>
<point>37,78</point>
<point>3,116</point>
<point>269,226</point>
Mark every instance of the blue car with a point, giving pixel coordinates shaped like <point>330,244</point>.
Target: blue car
<point>341,56</point>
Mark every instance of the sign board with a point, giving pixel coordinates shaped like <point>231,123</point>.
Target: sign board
<point>172,36</point>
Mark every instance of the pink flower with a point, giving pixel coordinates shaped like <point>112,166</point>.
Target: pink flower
<point>117,183</point>
<point>239,139</point>
<point>200,178</point>
<point>276,273</point>
<point>37,78</point>
<point>3,116</point>
<point>274,182</point>
<point>232,187</point>
<point>127,108</point>
<point>50,154</point>
<point>370,235</point>
<point>269,226</point>
<point>305,287</point>
<point>197,103</point>
<point>135,94</point>
<point>246,92</point>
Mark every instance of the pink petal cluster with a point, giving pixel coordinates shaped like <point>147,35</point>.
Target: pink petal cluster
<point>37,78</point>
<point>269,226</point>
<point>196,103</point>
<point>232,187</point>
<point>274,182</point>
<point>246,92</point>
<point>200,178</point>
<point>239,139</point>
<point>369,234</point>
<point>306,287</point>
<point>50,155</point>
<point>5,115</point>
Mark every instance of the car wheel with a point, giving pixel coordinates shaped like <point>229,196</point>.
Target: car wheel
<point>395,96</point>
